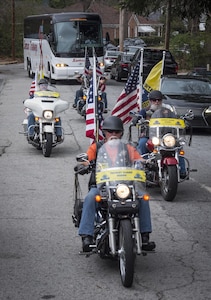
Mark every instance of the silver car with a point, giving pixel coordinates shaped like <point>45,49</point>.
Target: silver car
<point>109,59</point>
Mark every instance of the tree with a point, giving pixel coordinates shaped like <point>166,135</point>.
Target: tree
<point>186,9</point>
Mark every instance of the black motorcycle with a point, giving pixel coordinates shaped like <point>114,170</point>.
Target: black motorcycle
<point>117,232</point>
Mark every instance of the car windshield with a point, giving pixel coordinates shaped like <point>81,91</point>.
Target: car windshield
<point>112,53</point>
<point>185,86</point>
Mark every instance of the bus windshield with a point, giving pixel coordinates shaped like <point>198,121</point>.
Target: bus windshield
<point>73,37</point>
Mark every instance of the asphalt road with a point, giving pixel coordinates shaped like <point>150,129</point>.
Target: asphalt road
<point>39,245</point>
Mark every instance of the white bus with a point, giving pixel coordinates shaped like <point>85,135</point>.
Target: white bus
<point>56,43</point>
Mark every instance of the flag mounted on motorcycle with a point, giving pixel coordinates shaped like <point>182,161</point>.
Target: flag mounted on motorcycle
<point>135,94</point>
<point>94,117</point>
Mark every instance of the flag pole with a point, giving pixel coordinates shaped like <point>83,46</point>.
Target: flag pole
<point>162,68</point>
<point>96,116</point>
<point>141,79</point>
<point>84,77</point>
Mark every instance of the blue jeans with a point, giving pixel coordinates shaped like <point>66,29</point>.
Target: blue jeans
<point>86,226</point>
<point>142,149</point>
<point>31,122</point>
<point>104,98</point>
<point>78,95</point>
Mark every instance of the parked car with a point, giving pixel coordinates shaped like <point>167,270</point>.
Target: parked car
<point>186,92</point>
<point>132,49</point>
<point>134,42</point>
<point>151,57</point>
<point>200,72</point>
<point>120,68</point>
<point>109,58</point>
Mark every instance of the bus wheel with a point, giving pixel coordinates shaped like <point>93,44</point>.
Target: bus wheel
<point>51,81</point>
<point>29,69</point>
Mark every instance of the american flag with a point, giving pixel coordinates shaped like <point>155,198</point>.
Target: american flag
<point>127,100</point>
<point>87,64</point>
<point>98,70</point>
<point>90,115</point>
<point>32,89</point>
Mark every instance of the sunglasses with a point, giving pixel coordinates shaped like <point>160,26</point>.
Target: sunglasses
<point>113,131</point>
<point>155,100</point>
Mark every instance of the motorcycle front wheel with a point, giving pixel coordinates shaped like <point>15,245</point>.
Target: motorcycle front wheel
<point>169,183</point>
<point>47,145</point>
<point>126,253</point>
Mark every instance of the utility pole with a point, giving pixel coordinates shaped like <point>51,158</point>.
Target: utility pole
<point>121,28</point>
<point>13,29</point>
<point>168,22</point>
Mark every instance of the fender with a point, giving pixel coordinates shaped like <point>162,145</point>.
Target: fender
<point>169,161</point>
<point>48,128</point>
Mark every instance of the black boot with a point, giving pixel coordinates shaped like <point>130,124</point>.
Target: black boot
<point>87,240</point>
<point>146,244</point>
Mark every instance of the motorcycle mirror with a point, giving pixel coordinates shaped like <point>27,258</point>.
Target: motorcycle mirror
<point>82,157</point>
<point>189,115</point>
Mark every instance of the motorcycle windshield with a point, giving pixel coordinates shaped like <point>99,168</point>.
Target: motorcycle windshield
<point>118,162</point>
<point>47,94</point>
<point>158,127</point>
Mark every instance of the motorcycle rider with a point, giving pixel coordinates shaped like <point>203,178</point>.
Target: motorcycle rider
<point>43,86</point>
<point>112,127</point>
<point>156,102</point>
<point>84,80</point>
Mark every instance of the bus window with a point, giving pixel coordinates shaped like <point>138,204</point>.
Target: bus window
<point>66,35</point>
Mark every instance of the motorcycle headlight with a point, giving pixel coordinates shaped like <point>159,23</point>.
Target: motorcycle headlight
<point>155,141</point>
<point>48,114</point>
<point>169,140</point>
<point>122,191</point>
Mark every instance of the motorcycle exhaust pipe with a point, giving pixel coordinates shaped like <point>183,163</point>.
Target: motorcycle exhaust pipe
<point>112,236</point>
<point>137,235</point>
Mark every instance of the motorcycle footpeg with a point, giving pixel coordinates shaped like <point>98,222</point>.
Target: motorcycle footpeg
<point>91,252</point>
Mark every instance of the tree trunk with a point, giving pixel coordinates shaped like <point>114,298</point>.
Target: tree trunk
<point>168,24</point>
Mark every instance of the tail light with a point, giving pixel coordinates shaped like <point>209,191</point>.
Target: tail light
<point>124,65</point>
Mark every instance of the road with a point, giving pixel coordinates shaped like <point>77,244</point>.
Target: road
<point>39,245</point>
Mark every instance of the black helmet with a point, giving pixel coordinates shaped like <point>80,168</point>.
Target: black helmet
<point>43,81</point>
<point>155,95</point>
<point>113,123</point>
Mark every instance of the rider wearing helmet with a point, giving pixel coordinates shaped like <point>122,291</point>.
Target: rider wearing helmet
<point>155,104</point>
<point>112,128</point>
<point>43,86</point>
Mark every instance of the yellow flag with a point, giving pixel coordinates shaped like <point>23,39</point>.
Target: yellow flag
<point>152,81</point>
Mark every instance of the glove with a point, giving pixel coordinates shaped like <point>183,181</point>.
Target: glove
<point>81,169</point>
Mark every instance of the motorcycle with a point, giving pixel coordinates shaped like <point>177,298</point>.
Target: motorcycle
<point>46,107</point>
<point>167,137</point>
<point>117,232</point>
<point>82,103</point>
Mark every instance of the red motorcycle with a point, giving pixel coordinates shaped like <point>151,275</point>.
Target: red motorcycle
<point>167,137</point>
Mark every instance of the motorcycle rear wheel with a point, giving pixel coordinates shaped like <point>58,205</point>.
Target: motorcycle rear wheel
<point>126,253</point>
<point>78,202</point>
<point>47,145</point>
<point>169,183</point>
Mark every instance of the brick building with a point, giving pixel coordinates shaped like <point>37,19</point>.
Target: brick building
<point>137,25</point>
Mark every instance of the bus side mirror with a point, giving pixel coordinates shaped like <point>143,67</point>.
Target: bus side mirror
<point>50,37</point>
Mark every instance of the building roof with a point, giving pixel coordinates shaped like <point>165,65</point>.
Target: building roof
<point>108,14</point>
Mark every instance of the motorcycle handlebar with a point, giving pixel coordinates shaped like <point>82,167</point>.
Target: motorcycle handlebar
<point>84,169</point>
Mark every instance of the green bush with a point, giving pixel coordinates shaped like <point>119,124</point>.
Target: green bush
<point>191,51</point>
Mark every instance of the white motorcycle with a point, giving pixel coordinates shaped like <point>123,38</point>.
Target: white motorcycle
<point>46,107</point>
